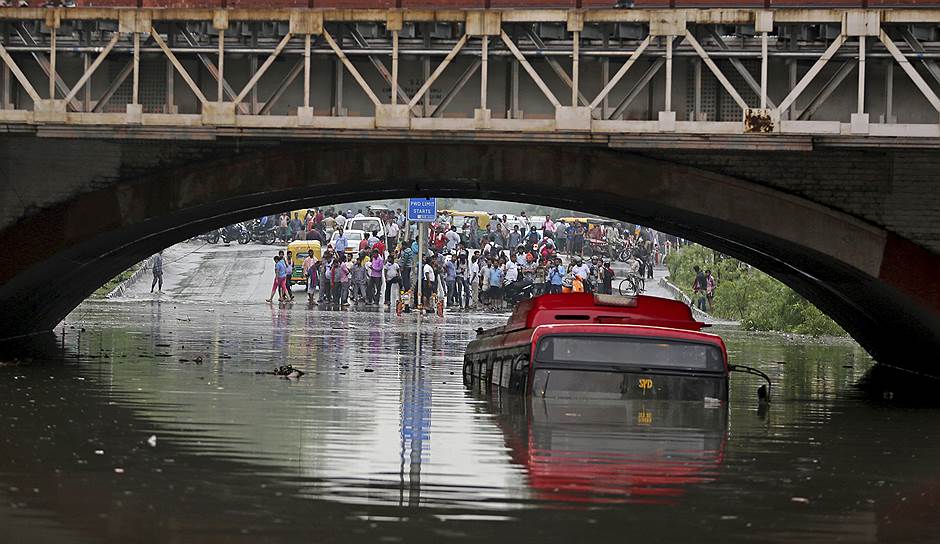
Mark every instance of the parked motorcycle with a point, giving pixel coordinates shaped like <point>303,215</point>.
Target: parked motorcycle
<point>264,233</point>
<point>235,233</point>
<point>211,237</point>
<point>518,291</point>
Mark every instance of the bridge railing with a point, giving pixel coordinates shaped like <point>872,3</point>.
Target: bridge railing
<point>603,71</point>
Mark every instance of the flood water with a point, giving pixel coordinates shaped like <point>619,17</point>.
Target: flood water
<point>381,442</point>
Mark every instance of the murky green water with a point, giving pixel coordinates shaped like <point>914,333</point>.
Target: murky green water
<point>381,442</point>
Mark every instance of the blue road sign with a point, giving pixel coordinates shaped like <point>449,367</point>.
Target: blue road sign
<point>422,209</point>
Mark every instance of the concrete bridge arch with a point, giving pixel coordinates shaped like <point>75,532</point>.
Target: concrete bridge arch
<point>100,216</point>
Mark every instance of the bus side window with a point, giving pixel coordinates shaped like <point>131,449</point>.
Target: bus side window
<point>520,374</point>
<point>507,372</point>
<point>497,370</point>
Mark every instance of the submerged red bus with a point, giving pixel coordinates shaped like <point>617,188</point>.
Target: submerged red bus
<point>580,345</point>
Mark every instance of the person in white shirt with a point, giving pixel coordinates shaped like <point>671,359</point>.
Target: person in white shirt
<point>452,238</point>
<point>340,221</point>
<point>474,278</point>
<point>581,269</point>
<point>427,284</point>
<point>512,272</point>
<point>391,235</point>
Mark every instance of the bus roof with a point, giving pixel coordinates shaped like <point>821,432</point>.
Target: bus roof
<point>586,308</point>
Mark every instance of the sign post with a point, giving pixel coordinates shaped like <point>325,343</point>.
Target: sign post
<point>421,210</point>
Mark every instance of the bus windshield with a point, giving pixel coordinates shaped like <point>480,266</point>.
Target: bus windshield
<point>629,351</point>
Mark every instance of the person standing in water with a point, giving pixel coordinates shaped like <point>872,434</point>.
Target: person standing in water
<point>157,272</point>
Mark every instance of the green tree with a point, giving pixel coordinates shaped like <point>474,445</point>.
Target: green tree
<point>745,294</point>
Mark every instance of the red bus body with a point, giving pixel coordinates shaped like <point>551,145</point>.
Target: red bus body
<point>644,347</point>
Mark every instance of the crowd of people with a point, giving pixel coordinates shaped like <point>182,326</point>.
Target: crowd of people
<point>510,259</point>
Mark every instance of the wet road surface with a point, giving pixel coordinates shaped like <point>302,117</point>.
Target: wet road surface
<point>155,426</point>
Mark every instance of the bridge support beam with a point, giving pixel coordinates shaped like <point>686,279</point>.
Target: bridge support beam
<point>392,116</point>
<point>413,40</point>
<point>573,118</point>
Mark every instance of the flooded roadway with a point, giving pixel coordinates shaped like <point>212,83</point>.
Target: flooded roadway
<point>156,426</point>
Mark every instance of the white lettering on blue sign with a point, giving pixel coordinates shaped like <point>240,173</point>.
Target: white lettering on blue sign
<point>422,209</point>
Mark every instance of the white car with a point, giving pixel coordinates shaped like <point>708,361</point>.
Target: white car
<point>367,224</point>
<point>353,238</point>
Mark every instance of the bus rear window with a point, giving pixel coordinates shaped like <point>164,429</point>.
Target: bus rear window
<point>629,351</point>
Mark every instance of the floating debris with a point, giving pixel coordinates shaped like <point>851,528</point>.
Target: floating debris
<point>152,441</point>
<point>286,371</point>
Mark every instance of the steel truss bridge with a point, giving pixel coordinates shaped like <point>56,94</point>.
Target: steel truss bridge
<point>619,73</point>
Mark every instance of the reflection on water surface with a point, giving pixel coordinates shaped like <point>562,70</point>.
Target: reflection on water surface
<point>381,441</point>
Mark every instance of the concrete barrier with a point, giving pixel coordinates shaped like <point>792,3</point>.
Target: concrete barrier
<point>122,287</point>
<point>678,294</point>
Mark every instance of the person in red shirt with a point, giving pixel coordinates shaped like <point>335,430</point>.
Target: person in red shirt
<point>380,247</point>
<point>364,244</point>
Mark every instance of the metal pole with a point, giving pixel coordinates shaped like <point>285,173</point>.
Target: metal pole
<point>889,92</point>
<point>421,235</point>
<point>253,95</point>
<point>763,70</point>
<point>426,70</point>
<point>136,85</point>
<point>86,98</point>
<point>575,62</point>
<point>337,87</point>
<point>307,71</point>
<point>170,91</point>
<point>5,88</point>
<point>861,74</point>
<point>793,74</point>
<point>668,73</point>
<point>52,56</point>
<point>514,89</point>
<point>219,96</point>
<point>485,54</point>
<point>394,67</point>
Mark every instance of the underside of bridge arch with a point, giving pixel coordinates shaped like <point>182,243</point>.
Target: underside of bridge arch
<point>877,285</point>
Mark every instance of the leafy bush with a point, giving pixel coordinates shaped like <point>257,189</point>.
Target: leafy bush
<point>748,295</point>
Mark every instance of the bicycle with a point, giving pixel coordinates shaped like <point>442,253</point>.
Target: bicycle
<point>631,285</point>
